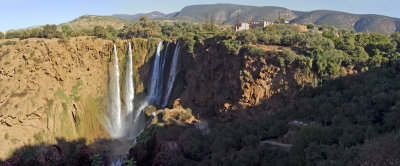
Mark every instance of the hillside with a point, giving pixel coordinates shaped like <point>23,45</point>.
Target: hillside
<point>89,21</point>
<point>227,13</point>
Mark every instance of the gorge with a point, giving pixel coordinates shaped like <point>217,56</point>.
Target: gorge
<point>270,96</point>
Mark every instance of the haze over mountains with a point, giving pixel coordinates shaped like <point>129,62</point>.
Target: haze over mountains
<point>227,13</point>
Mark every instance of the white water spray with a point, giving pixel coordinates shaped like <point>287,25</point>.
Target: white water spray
<point>129,89</point>
<point>172,75</point>
<point>113,120</point>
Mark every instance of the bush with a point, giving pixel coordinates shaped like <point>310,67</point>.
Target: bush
<point>2,35</point>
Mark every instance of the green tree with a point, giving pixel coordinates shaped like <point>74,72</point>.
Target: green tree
<point>24,34</point>
<point>100,32</point>
<point>50,31</point>
<point>66,29</point>
<point>1,35</point>
<point>111,32</point>
<point>37,32</point>
<point>13,34</point>
<point>396,38</point>
<point>128,31</point>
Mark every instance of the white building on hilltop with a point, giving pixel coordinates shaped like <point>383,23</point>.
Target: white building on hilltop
<point>243,26</point>
<point>261,24</point>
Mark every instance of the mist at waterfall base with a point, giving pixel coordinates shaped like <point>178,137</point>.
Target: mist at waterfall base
<point>125,125</point>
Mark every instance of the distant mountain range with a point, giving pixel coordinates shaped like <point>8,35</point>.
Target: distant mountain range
<point>227,13</point>
<point>151,15</point>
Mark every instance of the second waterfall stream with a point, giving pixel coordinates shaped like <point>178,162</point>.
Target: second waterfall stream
<point>125,125</point>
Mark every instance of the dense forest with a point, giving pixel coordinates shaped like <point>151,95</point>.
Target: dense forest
<point>349,114</point>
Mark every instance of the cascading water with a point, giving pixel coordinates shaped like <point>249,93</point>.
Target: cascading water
<point>160,81</point>
<point>155,75</point>
<point>153,95</point>
<point>129,95</point>
<point>113,120</point>
<point>130,124</point>
<point>172,74</point>
<point>129,89</point>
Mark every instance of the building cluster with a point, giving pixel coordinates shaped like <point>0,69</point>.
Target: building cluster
<point>247,26</point>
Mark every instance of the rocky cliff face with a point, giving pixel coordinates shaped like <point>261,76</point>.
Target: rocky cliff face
<point>51,88</point>
<point>222,86</point>
<point>231,85</point>
<point>58,89</point>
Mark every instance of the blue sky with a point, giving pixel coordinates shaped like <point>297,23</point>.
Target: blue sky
<point>25,13</point>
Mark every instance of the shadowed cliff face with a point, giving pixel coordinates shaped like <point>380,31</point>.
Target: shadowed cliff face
<point>221,86</point>
<point>226,84</point>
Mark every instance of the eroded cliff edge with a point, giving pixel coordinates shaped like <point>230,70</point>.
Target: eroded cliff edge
<point>56,89</point>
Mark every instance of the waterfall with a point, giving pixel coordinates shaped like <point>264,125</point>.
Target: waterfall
<point>113,120</point>
<point>129,89</point>
<point>130,124</point>
<point>172,74</point>
<point>155,75</point>
<point>129,95</point>
<point>159,89</point>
